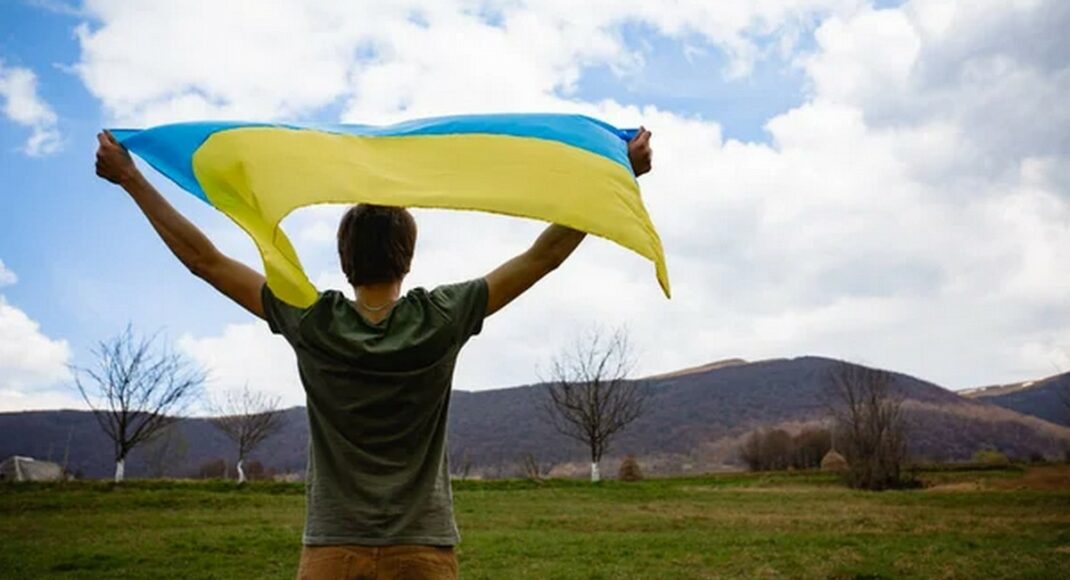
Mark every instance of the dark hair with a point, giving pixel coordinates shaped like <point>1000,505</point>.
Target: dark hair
<point>375,243</point>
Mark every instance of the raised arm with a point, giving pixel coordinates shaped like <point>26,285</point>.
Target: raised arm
<point>553,246</point>
<point>234,279</point>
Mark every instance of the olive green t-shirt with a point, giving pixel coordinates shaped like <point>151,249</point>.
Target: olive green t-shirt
<point>378,395</point>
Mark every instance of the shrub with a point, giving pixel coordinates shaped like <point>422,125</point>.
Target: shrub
<point>991,457</point>
<point>212,469</point>
<point>776,449</point>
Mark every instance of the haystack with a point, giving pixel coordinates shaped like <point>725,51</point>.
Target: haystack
<point>629,470</point>
<point>833,461</point>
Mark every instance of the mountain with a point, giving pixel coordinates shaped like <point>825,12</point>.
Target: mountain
<point>695,421</point>
<point>696,418</point>
<point>1047,398</point>
<point>75,437</point>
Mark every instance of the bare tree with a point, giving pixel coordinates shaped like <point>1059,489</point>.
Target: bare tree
<point>870,431</point>
<point>589,397</point>
<point>135,389</point>
<point>247,418</point>
<point>768,450</point>
<point>533,469</point>
<point>461,462</point>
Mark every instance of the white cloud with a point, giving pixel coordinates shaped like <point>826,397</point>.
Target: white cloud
<point>911,213</point>
<point>33,367</point>
<point>200,58</point>
<point>247,354</point>
<point>28,358</point>
<point>12,400</point>
<point>22,105</point>
<point>7,277</point>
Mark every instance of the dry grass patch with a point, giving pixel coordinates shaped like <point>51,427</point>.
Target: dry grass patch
<point>1040,478</point>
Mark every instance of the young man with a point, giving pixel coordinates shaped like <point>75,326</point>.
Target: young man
<point>377,374</point>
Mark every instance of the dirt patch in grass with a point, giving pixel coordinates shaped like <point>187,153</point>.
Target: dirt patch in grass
<point>955,487</point>
<point>1041,478</point>
<point>787,488</point>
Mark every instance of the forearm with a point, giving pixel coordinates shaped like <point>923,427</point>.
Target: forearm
<point>514,277</point>
<point>185,241</point>
<point>555,245</point>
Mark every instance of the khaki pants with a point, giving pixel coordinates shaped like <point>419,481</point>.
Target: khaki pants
<point>401,562</point>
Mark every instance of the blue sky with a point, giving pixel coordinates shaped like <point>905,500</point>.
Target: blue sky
<point>88,263</point>
<point>742,201</point>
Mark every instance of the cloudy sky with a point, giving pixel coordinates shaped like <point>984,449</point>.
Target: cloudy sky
<point>886,182</point>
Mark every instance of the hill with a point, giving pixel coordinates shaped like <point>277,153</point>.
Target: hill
<point>695,421</point>
<point>1048,398</point>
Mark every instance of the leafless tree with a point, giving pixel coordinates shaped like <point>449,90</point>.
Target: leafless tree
<point>135,389</point>
<point>870,431</point>
<point>461,462</point>
<point>810,446</point>
<point>589,397</point>
<point>534,469</point>
<point>247,418</point>
<point>767,450</point>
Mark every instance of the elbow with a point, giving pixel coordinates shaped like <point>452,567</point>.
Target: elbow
<point>201,266</point>
<point>198,269</point>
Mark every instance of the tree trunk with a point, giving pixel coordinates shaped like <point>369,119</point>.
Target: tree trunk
<point>120,470</point>
<point>594,472</point>
<point>241,472</point>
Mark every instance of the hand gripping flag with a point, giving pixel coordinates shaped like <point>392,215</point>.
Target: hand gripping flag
<point>566,169</point>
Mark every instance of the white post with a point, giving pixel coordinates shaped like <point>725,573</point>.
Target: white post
<point>594,472</point>
<point>241,472</point>
<point>119,470</point>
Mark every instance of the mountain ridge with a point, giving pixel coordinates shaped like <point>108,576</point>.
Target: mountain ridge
<point>695,420</point>
<point>1047,398</point>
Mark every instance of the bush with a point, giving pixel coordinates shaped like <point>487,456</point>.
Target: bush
<point>212,469</point>
<point>777,450</point>
<point>991,457</point>
<point>629,470</point>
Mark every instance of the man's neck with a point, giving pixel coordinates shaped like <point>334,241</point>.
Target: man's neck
<point>374,300</point>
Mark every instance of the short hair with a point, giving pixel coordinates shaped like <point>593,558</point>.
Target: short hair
<point>375,243</point>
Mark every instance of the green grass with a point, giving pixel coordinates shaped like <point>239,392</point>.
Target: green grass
<point>738,525</point>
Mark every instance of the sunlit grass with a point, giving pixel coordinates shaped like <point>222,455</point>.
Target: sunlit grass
<point>737,525</point>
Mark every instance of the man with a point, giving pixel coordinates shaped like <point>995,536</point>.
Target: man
<point>377,373</point>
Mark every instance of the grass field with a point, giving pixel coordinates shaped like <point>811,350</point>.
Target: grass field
<point>1004,523</point>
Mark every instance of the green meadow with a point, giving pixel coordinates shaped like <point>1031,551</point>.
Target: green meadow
<point>1005,523</point>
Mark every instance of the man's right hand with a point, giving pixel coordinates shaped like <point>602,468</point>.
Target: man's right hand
<point>113,160</point>
<point>639,152</point>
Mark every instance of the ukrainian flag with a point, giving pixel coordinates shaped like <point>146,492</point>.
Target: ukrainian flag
<point>566,169</point>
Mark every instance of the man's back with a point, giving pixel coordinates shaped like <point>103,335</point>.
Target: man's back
<point>378,397</point>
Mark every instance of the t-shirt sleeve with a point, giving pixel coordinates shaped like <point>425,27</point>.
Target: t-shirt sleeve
<point>466,303</point>
<point>282,318</point>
